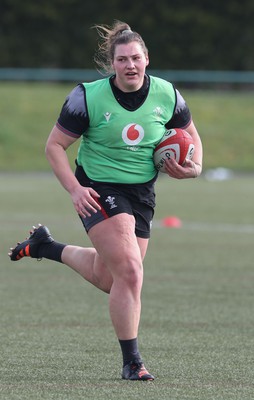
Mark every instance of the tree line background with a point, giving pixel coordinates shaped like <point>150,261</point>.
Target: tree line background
<point>180,34</point>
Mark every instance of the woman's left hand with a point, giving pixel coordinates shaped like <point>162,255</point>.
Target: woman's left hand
<point>189,169</point>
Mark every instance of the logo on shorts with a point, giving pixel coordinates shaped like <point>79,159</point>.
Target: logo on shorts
<point>111,201</point>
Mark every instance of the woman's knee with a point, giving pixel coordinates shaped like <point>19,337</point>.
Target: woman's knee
<point>130,270</point>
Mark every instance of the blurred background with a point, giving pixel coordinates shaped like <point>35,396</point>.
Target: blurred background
<point>180,34</point>
<point>204,48</point>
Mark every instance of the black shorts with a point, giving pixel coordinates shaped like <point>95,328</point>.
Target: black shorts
<point>115,198</point>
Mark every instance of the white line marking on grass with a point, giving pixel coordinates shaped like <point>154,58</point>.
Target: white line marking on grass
<point>206,226</point>
<point>232,228</point>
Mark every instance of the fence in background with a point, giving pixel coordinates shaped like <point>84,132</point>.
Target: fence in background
<point>83,75</point>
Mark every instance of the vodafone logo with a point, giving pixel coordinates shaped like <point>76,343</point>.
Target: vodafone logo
<point>132,134</point>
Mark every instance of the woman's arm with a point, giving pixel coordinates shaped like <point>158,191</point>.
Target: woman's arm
<point>82,197</point>
<point>191,168</point>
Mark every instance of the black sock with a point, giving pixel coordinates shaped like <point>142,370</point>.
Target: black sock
<point>52,251</point>
<point>130,350</point>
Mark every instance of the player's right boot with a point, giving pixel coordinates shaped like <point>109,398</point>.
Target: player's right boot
<point>30,246</point>
<point>136,371</point>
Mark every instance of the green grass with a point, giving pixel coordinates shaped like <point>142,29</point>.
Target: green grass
<point>224,121</point>
<point>29,111</point>
<point>196,332</point>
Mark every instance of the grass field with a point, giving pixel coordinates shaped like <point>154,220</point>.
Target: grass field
<point>196,333</point>
<point>29,111</point>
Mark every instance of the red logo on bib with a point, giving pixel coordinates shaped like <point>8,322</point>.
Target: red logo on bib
<point>132,134</point>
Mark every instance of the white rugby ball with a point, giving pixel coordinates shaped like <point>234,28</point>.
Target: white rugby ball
<point>175,143</point>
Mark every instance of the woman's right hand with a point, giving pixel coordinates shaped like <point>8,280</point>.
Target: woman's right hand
<point>85,200</point>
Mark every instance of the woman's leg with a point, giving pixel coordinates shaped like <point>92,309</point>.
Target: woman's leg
<point>87,263</point>
<point>118,247</point>
<point>120,274</point>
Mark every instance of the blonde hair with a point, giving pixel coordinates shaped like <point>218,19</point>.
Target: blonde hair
<point>119,33</point>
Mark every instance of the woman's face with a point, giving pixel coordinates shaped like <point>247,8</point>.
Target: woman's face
<point>129,64</point>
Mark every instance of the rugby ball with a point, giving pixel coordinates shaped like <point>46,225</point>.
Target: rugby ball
<point>175,143</point>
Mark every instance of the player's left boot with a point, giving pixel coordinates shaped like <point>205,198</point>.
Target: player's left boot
<point>136,371</point>
<point>30,246</point>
